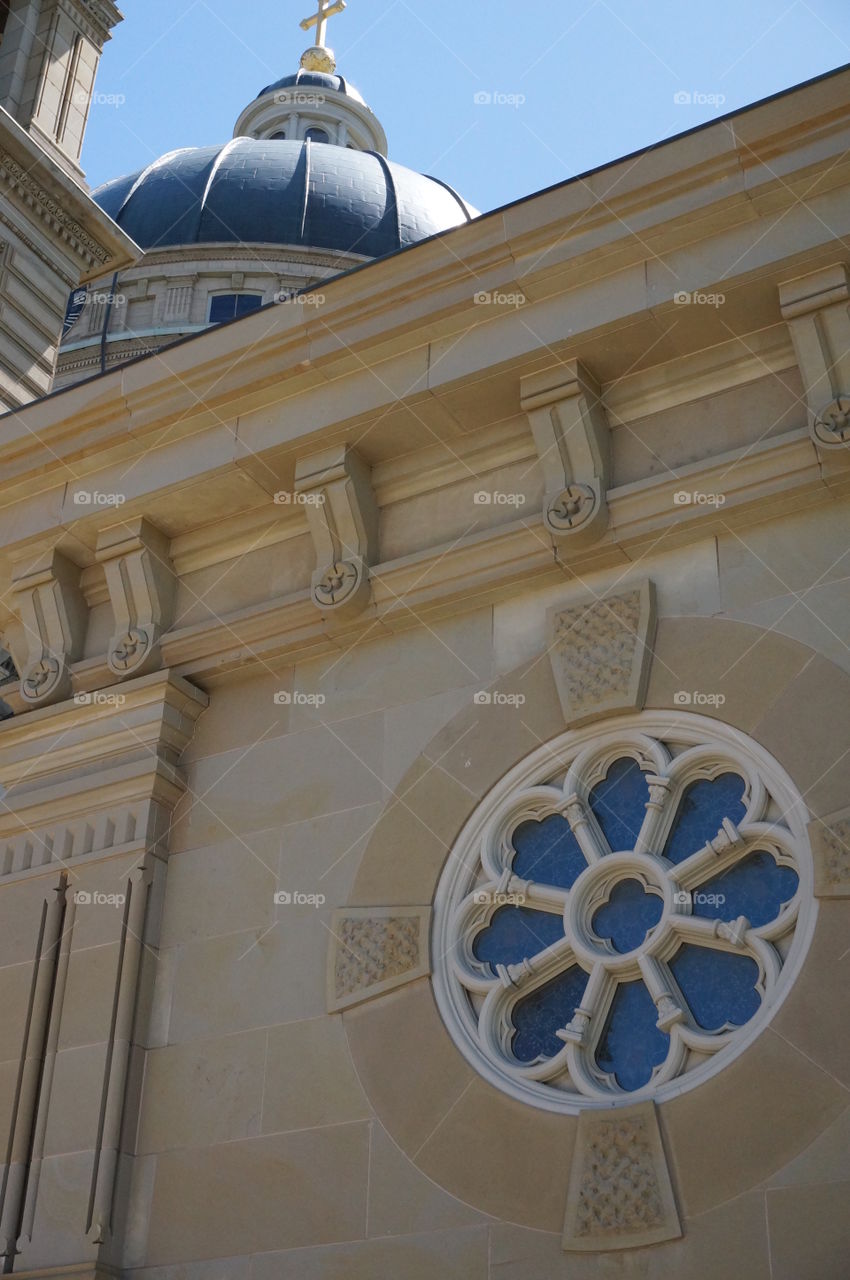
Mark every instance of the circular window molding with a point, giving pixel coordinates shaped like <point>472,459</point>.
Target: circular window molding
<point>584,954</point>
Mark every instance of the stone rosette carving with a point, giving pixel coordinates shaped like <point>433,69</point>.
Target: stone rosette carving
<point>830,839</point>
<point>130,650</point>
<point>373,950</point>
<point>41,678</point>
<point>832,424</point>
<point>571,508</point>
<point>620,1193</point>
<point>344,582</point>
<point>600,651</point>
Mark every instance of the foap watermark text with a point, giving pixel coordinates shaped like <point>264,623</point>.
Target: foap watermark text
<point>99,698</point>
<point>694,498</point>
<point>284,499</point>
<point>697,298</point>
<point>694,698</point>
<point>496,298</point>
<point>283,698</point>
<point>95,898</point>
<point>698,98</point>
<point>494,498</point>
<point>683,898</point>
<point>498,98</point>
<point>94,498</point>
<point>493,698</point>
<point>298,898</point>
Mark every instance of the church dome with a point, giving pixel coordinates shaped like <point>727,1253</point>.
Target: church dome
<point>302,79</point>
<point>282,192</point>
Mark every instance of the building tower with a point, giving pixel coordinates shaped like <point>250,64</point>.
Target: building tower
<point>52,234</point>
<point>49,56</point>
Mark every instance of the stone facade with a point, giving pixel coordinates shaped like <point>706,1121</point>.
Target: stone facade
<point>232,784</point>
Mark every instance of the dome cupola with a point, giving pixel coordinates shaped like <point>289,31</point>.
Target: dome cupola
<point>302,192</point>
<point>314,104</point>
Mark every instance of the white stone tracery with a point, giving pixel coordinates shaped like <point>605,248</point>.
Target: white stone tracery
<point>674,749</point>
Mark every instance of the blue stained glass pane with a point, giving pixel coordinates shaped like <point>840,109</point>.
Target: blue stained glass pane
<point>757,887</point>
<point>619,804</point>
<point>548,852</point>
<point>701,812</point>
<point>631,1045</point>
<point>627,916</point>
<point>515,933</point>
<point>228,306</point>
<point>719,986</point>
<point>247,302</point>
<point>545,1011</point>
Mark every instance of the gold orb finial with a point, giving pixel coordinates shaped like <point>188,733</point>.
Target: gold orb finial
<point>319,58</point>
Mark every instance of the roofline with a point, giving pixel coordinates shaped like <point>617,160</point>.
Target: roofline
<point>663,142</point>
<point>491,213</point>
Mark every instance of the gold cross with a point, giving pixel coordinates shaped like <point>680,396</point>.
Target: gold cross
<point>320,20</point>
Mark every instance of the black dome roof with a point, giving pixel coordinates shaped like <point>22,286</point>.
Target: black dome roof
<point>314,80</point>
<point>265,191</point>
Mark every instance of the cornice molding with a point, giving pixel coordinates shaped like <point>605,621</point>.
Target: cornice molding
<point>97,17</point>
<point>65,209</point>
<point>718,368</point>
<point>485,567</point>
<point>47,208</point>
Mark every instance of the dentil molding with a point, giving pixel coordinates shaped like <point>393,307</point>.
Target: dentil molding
<point>94,775</point>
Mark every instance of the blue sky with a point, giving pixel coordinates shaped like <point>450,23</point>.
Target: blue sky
<point>572,85</point>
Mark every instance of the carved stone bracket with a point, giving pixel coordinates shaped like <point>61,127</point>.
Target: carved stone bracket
<point>817,309</point>
<point>600,652</point>
<point>140,578</point>
<point>374,949</point>
<point>620,1194</point>
<point>571,432</point>
<point>51,608</point>
<point>335,489</point>
<point>830,841</point>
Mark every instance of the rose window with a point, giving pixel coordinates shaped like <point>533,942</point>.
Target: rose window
<point>623,912</point>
